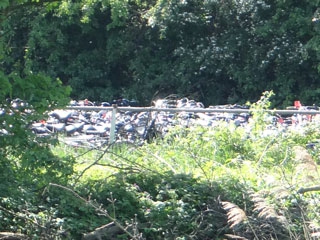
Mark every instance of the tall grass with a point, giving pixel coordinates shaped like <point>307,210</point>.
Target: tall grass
<point>176,186</point>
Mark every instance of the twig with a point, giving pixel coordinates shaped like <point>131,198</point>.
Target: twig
<point>198,162</point>
<point>166,163</point>
<point>285,157</point>
<point>265,150</point>
<point>306,229</point>
<point>138,164</point>
<point>117,167</point>
<point>90,165</point>
<point>89,150</point>
<point>22,217</point>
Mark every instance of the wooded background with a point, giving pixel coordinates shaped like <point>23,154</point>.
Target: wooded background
<point>215,51</point>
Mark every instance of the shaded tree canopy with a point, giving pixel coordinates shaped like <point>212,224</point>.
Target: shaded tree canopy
<point>215,51</point>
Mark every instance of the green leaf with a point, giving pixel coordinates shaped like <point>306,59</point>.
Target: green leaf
<point>5,87</point>
<point>4,4</point>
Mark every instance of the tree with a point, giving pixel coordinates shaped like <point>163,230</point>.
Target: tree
<point>27,164</point>
<point>214,51</point>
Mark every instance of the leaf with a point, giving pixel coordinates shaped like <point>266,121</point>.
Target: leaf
<point>4,4</point>
<point>5,86</point>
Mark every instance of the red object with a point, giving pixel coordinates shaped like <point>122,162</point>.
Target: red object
<point>280,120</point>
<point>297,104</point>
<point>43,121</point>
<point>86,101</point>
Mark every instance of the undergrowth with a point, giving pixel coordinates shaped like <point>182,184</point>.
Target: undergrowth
<point>222,182</point>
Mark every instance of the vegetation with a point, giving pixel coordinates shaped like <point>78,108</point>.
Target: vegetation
<point>212,51</point>
<point>194,183</point>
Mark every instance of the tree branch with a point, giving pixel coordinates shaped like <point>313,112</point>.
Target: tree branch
<point>12,236</point>
<point>105,230</point>
<point>309,189</point>
<point>90,165</point>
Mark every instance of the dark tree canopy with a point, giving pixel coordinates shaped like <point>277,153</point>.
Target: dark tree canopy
<point>215,51</point>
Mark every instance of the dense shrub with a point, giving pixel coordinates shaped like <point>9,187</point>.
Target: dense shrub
<point>214,51</point>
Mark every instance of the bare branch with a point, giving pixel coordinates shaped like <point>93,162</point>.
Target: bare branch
<point>309,189</point>
<point>12,236</point>
<point>90,165</point>
<point>108,229</point>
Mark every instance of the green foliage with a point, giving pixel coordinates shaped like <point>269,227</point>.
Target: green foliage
<point>40,92</point>
<point>172,188</point>
<point>27,164</point>
<point>260,117</point>
<point>165,206</point>
<point>4,4</point>
<point>6,88</point>
<point>215,52</point>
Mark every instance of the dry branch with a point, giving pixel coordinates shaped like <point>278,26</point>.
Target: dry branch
<point>12,236</point>
<point>309,189</point>
<point>231,236</point>
<point>109,230</point>
<point>135,163</point>
<point>90,165</point>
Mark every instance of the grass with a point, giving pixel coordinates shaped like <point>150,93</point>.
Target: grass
<point>259,177</point>
<point>207,182</point>
<point>221,182</point>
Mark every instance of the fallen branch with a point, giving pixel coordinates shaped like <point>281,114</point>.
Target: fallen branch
<point>231,236</point>
<point>12,236</point>
<point>309,189</point>
<point>108,230</point>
